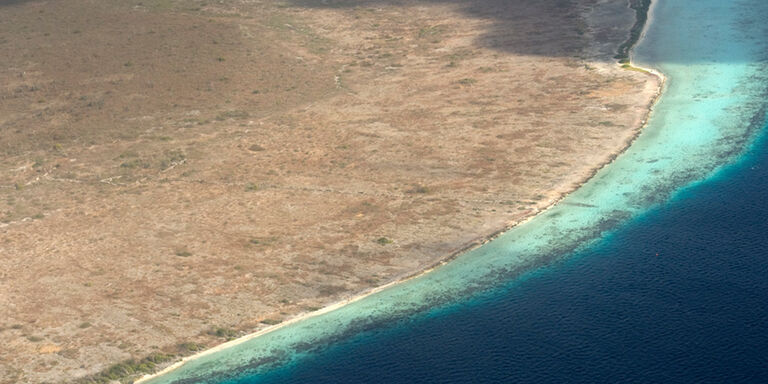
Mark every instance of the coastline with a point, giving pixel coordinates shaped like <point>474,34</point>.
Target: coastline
<point>625,63</point>
<point>642,16</point>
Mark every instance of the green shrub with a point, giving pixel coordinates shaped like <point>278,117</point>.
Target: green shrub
<point>418,189</point>
<point>129,368</point>
<point>223,332</point>
<point>190,347</point>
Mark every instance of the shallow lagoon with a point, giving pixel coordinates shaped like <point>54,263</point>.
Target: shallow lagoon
<point>605,306</point>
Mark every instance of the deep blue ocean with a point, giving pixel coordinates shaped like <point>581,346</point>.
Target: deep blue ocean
<point>679,294</point>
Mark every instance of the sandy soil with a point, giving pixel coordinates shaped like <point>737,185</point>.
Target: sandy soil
<point>173,174</point>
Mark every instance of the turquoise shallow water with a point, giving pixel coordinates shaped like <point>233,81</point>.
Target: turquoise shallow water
<point>714,54</point>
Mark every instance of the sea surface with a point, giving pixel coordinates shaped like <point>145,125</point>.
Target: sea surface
<point>656,270</point>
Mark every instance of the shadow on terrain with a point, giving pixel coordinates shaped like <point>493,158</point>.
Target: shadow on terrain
<point>12,2</point>
<point>527,27</point>
<point>555,28</point>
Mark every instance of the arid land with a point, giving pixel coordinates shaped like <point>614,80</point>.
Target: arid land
<point>177,173</point>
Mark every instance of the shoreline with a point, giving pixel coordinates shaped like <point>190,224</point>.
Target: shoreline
<point>625,63</point>
<point>642,16</point>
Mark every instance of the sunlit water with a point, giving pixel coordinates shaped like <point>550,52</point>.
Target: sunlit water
<point>656,270</point>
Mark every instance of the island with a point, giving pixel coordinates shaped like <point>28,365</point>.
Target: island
<point>175,174</point>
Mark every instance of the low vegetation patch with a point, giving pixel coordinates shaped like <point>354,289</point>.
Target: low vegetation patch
<point>467,81</point>
<point>222,332</point>
<point>129,368</point>
<point>185,348</point>
<point>630,67</point>
<point>419,189</point>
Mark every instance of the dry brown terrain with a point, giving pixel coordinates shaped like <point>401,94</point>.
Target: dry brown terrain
<point>184,171</point>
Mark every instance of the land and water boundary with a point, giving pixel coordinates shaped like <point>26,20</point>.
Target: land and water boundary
<point>301,155</point>
<point>642,9</point>
<point>643,17</point>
